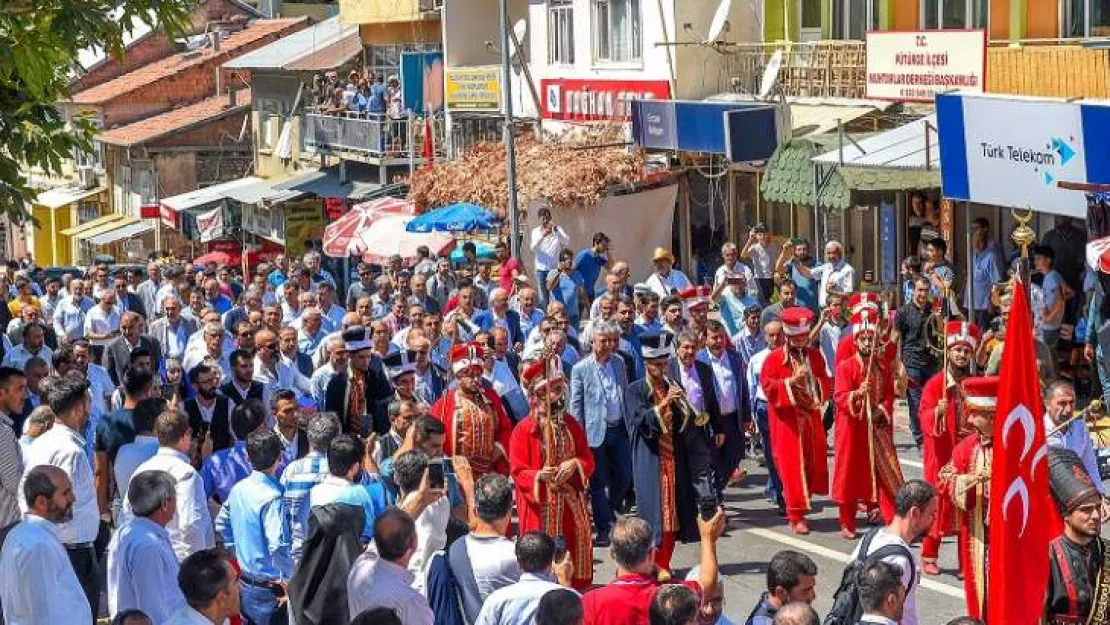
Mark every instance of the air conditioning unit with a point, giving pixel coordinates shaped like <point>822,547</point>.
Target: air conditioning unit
<point>86,176</point>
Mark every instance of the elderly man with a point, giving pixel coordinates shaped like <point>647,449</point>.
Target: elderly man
<point>172,331</point>
<point>148,289</point>
<point>211,349</point>
<point>274,371</point>
<point>103,320</point>
<point>380,577</point>
<point>322,376</point>
<point>142,566</point>
<point>499,315</point>
<point>33,346</point>
<point>69,314</point>
<point>1066,433</point>
<point>215,299</point>
<point>834,276</point>
<point>117,353</point>
<point>666,280</point>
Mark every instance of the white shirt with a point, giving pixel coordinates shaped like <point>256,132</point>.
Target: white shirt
<point>142,571</point>
<point>69,319</point>
<point>63,448</point>
<point>840,275</point>
<point>326,492</point>
<point>662,286</point>
<point>285,376</point>
<point>38,586</point>
<point>882,538</point>
<point>516,604</point>
<point>188,616</point>
<point>319,382</point>
<point>738,268</point>
<point>191,529</point>
<point>99,321</point>
<point>431,536</point>
<point>100,387</point>
<point>130,457</point>
<point>755,367</point>
<point>547,247</point>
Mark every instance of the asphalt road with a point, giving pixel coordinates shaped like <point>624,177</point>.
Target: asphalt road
<point>756,533</point>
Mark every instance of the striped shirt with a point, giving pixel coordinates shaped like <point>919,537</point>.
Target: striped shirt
<point>11,471</point>
<point>298,479</point>
<point>378,583</point>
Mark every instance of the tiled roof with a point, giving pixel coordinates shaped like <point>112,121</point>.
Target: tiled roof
<point>178,119</point>
<point>171,65</point>
<point>789,177</point>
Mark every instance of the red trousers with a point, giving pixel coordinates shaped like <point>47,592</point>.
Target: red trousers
<point>665,551</point>
<point>848,510</point>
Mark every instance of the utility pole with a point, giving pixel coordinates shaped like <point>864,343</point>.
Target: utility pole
<point>510,150</point>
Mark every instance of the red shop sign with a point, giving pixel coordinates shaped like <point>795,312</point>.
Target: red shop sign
<point>169,215</point>
<point>588,100</point>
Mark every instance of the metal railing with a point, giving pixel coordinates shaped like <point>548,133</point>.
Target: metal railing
<point>370,135</point>
<point>814,69</point>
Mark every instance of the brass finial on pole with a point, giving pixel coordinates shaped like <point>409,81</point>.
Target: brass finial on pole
<point>1024,236</point>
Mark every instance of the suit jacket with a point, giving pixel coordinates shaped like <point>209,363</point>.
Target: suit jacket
<point>377,387</point>
<point>117,356</point>
<point>708,392</point>
<point>304,364</point>
<point>159,330</point>
<point>739,370</point>
<point>220,427</point>
<point>134,303</point>
<point>587,398</point>
<point>484,320</point>
<point>256,392</point>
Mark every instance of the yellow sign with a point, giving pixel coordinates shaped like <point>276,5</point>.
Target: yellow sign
<point>474,88</point>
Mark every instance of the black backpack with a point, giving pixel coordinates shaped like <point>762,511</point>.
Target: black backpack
<point>846,609</point>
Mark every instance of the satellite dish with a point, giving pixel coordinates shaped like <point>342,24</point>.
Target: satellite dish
<point>520,29</point>
<point>770,74</point>
<point>720,18</point>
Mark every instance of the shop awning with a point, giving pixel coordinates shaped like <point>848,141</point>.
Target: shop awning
<point>325,183</point>
<point>260,190</point>
<point>125,231</point>
<point>64,196</point>
<point>105,228</point>
<point>207,195</point>
<point>95,224</point>
<point>788,177</point>
<point>807,119</point>
<point>912,146</point>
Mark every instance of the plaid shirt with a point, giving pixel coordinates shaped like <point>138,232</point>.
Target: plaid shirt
<point>298,478</point>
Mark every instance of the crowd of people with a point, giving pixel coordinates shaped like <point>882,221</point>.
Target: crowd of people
<point>443,442</point>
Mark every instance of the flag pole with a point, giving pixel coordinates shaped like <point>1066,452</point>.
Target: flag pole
<point>1024,236</point>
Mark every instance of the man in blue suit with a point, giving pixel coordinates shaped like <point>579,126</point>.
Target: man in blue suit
<point>731,385</point>
<point>597,385</point>
<point>500,315</point>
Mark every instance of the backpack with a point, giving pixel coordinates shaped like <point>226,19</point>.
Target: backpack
<point>846,609</point>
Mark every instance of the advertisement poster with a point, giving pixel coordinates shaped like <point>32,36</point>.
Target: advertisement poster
<point>916,65</point>
<point>474,88</point>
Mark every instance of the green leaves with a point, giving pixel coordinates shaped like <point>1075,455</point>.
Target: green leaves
<point>40,41</point>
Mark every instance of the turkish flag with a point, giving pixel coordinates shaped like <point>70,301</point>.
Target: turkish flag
<point>1022,513</point>
<point>428,147</point>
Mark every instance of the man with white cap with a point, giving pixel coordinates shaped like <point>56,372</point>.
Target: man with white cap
<point>797,386</point>
<point>352,394</point>
<point>666,280</point>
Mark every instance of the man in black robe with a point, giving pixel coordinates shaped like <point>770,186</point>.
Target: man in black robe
<point>1079,573</point>
<point>672,466</point>
<point>358,412</point>
<point>318,588</point>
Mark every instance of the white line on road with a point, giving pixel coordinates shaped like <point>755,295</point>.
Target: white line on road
<point>839,556</point>
<point>911,463</point>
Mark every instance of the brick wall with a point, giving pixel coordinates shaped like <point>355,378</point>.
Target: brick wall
<point>215,167</point>
<point>214,133</point>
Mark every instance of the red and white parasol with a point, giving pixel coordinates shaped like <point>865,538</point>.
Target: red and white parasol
<point>1098,254</point>
<point>387,236</point>
<point>341,237</point>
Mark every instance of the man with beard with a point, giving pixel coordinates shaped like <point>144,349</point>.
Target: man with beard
<point>400,367</point>
<point>866,465</point>
<point>965,481</point>
<point>209,412</point>
<point>915,506</point>
<point>1079,581</point>
<point>477,425</point>
<point>551,467</point>
<point>670,447</point>
<point>797,386</point>
<point>944,424</point>
<point>274,371</point>
<point>39,584</point>
<point>353,393</point>
<point>241,385</point>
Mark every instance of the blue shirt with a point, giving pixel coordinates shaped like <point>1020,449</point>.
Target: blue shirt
<point>588,265</point>
<point>371,497</point>
<point>732,309</point>
<point>225,469</point>
<point>221,304</point>
<point>807,287</point>
<point>142,570</point>
<point>297,479</point>
<point>566,291</point>
<point>1052,288</point>
<point>253,522</point>
<point>377,98</point>
<point>984,274</point>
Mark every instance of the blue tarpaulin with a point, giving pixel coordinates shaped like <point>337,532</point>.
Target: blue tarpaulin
<point>460,217</point>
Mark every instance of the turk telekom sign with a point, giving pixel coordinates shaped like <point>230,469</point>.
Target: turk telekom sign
<point>916,65</point>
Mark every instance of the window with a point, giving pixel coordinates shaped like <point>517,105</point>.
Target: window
<point>384,60</point>
<point>1086,18</point>
<point>95,157</point>
<point>560,32</point>
<point>811,14</point>
<point>617,34</point>
<point>853,18</point>
<point>954,14</point>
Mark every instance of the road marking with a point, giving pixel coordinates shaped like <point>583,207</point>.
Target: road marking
<point>911,463</point>
<point>839,556</point>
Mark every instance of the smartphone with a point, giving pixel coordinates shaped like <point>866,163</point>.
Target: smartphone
<point>707,508</point>
<point>436,477</point>
<point>560,547</point>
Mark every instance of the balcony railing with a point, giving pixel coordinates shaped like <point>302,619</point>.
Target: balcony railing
<point>1049,68</point>
<point>370,136</point>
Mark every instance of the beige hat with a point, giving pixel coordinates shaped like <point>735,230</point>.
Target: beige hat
<point>662,254</point>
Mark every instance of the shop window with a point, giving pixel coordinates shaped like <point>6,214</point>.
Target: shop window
<point>1085,18</point>
<point>954,14</point>
<point>560,32</point>
<point>853,18</point>
<point>617,31</point>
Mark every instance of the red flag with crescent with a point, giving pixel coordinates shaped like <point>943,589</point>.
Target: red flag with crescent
<point>1023,515</point>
